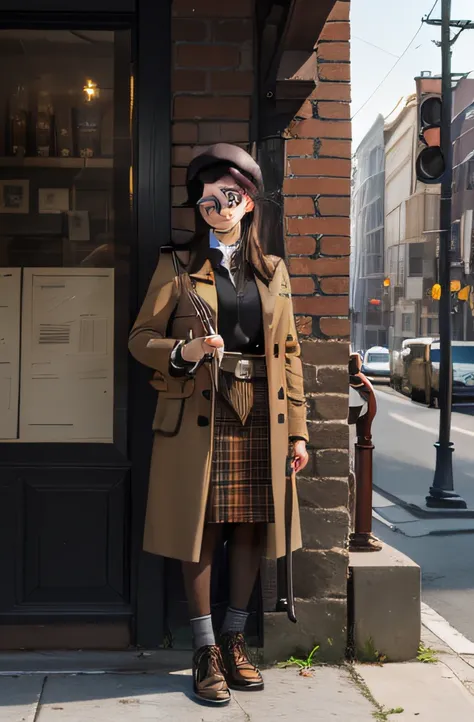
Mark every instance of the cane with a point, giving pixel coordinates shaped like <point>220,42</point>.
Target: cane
<point>290,480</point>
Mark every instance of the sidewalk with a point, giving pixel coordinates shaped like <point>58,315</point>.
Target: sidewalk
<point>359,693</point>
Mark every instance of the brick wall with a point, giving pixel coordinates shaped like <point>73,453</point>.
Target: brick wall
<point>212,81</point>
<point>212,97</point>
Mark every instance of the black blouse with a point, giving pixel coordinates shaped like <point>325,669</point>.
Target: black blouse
<point>239,314</point>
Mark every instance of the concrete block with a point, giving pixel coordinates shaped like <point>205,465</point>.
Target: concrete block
<point>386,599</point>
<point>319,574</point>
<point>324,528</point>
<point>322,622</point>
<point>323,493</point>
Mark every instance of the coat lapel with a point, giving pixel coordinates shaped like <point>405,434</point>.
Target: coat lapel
<point>206,287</point>
<point>272,302</point>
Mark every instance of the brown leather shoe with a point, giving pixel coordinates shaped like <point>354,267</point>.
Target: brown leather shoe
<point>208,676</point>
<point>241,673</point>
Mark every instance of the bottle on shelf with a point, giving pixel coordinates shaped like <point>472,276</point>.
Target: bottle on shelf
<point>44,125</point>
<point>87,120</point>
<point>63,124</point>
<point>17,123</point>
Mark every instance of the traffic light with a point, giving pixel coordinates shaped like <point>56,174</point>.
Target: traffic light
<point>430,164</point>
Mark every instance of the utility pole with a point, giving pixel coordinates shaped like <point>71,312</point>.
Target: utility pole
<point>441,493</point>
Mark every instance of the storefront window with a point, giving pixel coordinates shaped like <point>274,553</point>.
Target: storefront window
<point>65,233</point>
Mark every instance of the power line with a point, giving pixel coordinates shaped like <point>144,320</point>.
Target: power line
<point>356,37</point>
<point>394,65</point>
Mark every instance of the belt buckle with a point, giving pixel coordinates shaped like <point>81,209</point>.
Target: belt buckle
<point>244,369</point>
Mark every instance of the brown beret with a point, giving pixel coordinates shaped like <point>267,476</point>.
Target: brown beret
<point>222,153</point>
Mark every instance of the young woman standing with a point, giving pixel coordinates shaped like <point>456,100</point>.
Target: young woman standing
<point>217,327</point>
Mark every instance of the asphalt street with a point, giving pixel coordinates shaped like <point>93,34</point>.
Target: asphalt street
<point>404,458</point>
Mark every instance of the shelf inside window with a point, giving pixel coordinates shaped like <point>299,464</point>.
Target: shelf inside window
<point>36,162</point>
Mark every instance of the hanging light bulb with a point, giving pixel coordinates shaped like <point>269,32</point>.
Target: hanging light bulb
<point>91,90</point>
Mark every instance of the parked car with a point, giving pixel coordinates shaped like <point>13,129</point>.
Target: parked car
<point>414,371</point>
<point>376,363</point>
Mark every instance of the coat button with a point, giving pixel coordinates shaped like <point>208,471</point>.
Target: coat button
<point>281,418</point>
<point>281,394</point>
<point>203,421</point>
<point>207,394</point>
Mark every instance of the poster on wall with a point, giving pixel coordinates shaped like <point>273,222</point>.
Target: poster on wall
<point>67,356</point>
<point>10,285</point>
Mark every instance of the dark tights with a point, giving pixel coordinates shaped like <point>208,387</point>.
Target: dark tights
<point>246,549</point>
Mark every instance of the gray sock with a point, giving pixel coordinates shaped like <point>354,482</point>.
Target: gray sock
<point>235,620</point>
<point>203,632</point>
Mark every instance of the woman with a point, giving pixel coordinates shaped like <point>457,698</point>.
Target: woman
<point>217,327</point>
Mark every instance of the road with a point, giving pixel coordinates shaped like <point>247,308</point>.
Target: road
<point>404,457</point>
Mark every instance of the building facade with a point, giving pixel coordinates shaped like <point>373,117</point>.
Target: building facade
<point>368,322</point>
<point>105,105</point>
<point>463,202</point>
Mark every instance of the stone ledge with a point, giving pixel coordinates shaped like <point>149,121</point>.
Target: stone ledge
<point>322,622</point>
<point>386,604</point>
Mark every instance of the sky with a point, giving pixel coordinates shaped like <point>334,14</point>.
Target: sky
<point>391,24</point>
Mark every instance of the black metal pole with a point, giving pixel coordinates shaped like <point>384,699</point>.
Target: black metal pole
<point>442,494</point>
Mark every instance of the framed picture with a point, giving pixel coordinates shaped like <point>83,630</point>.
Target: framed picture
<point>78,226</point>
<point>14,196</point>
<point>53,200</point>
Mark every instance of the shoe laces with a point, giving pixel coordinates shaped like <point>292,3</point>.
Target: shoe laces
<point>239,650</point>
<point>213,657</point>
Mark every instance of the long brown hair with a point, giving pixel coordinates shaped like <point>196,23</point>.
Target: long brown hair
<point>249,259</point>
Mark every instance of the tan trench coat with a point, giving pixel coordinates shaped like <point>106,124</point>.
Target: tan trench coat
<point>182,449</point>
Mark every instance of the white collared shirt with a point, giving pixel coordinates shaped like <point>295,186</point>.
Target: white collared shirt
<point>227,252</point>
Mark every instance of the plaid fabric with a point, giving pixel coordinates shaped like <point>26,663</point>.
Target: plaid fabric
<point>241,482</point>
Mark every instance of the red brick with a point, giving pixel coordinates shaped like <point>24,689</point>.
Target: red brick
<point>335,148</point>
<point>322,305</point>
<point>314,186</point>
<point>340,11</point>
<point>319,266</point>
<point>331,91</point>
<point>335,285</point>
<point>182,218</point>
<point>178,176</point>
<point>335,327</point>
<point>182,155</point>
<point>179,195</point>
<point>304,325</point>
<point>232,31</point>
<point>305,110</point>
<point>320,353</point>
<point>329,110</point>
<point>308,226</point>
<point>333,51</point>
<point>302,286</point>
<point>313,128</point>
<point>299,147</point>
<point>335,31</point>
<point>188,81</point>
<point>227,81</point>
<point>188,30</point>
<point>299,206</point>
<point>335,246</point>
<point>334,206</point>
<point>334,71</point>
<point>223,132</point>
<point>212,9</point>
<point>304,245</point>
<point>211,107</point>
<point>185,132</point>
<point>207,56</point>
<point>317,167</point>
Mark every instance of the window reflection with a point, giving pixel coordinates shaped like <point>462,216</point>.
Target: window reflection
<point>64,230</point>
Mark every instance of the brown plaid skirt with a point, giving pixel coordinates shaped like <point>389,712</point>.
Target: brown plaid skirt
<point>241,482</point>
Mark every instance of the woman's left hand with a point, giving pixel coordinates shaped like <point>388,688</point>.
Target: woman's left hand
<point>300,455</point>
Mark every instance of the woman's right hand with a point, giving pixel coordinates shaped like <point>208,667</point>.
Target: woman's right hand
<point>194,350</point>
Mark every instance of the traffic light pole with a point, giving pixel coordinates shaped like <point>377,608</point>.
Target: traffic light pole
<point>442,494</point>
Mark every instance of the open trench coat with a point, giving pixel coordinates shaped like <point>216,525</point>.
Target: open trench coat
<point>183,422</point>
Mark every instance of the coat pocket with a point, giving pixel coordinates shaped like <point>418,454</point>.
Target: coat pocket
<point>170,409</point>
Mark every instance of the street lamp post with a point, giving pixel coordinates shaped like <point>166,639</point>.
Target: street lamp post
<point>441,493</point>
